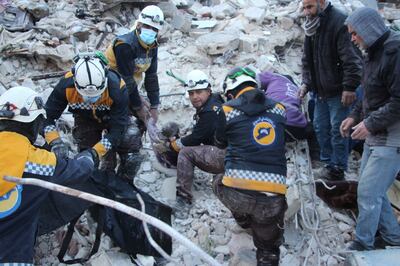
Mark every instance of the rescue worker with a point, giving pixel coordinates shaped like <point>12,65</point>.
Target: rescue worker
<point>98,100</point>
<point>198,148</point>
<point>252,128</point>
<point>22,114</point>
<point>135,54</point>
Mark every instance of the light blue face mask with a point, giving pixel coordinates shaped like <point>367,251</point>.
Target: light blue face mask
<point>148,36</point>
<point>91,100</point>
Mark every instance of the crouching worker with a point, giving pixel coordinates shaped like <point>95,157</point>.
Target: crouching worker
<point>282,88</point>
<point>98,100</point>
<point>21,116</point>
<point>252,127</point>
<point>198,149</point>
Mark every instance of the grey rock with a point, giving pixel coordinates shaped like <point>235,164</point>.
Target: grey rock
<point>255,14</point>
<point>223,10</point>
<point>391,13</point>
<point>168,8</point>
<point>248,44</point>
<point>286,23</point>
<point>110,258</point>
<point>244,257</point>
<point>7,67</point>
<point>240,241</point>
<point>182,21</point>
<point>215,43</point>
<point>222,249</point>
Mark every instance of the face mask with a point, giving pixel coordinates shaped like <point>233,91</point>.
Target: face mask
<point>148,36</point>
<point>88,99</point>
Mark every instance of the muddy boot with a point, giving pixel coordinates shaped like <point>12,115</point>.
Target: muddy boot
<point>267,257</point>
<point>130,164</point>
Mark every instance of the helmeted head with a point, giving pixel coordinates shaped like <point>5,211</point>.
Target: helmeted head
<point>21,104</point>
<point>22,111</point>
<point>237,78</point>
<point>198,86</point>
<point>90,77</point>
<point>152,16</point>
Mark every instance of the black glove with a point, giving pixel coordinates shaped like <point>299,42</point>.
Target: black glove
<point>90,155</point>
<point>60,148</point>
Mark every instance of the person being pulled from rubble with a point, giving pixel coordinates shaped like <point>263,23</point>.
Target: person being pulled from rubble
<point>331,69</point>
<point>252,128</point>
<point>198,149</point>
<point>22,115</point>
<point>376,119</point>
<point>98,100</point>
<point>283,89</point>
<point>135,54</point>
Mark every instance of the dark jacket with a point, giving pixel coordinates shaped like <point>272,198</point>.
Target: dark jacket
<point>380,107</point>
<point>206,123</point>
<point>111,109</point>
<point>331,63</point>
<point>19,206</point>
<point>252,128</point>
<point>131,57</point>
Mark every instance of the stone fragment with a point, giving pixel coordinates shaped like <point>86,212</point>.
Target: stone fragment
<point>182,21</point>
<point>286,23</point>
<point>244,257</point>
<point>168,8</point>
<point>110,258</point>
<point>240,241</point>
<point>168,188</point>
<point>255,14</point>
<point>223,10</point>
<point>222,249</point>
<point>215,43</point>
<point>248,44</point>
<point>391,13</point>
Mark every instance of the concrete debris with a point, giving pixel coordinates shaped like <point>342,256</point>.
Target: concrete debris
<point>216,43</point>
<point>213,36</point>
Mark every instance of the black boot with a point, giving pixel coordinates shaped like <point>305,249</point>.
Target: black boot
<point>129,165</point>
<point>267,257</point>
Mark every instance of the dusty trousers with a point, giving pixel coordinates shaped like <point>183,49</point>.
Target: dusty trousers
<point>261,213</point>
<point>206,157</point>
<point>88,132</point>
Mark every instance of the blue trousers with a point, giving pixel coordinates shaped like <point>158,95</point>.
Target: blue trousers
<point>328,115</point>
<point>379,167</point>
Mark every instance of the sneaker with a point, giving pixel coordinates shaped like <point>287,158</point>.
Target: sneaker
<point>381,243</point>
<point>329,173</point>
<point>355,246</point>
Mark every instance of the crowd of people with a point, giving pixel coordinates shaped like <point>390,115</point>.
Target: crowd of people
<point>239,136</point>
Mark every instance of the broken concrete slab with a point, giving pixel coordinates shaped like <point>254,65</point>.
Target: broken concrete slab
<point>204,24</point>
<point>182,21</point>
<point>248,44</point>
<point>216,43</point>
<point>15,19</point>
<point>110,258</point>
<point>223,10</point>
<point>38,10</point>
<point>255,14</point>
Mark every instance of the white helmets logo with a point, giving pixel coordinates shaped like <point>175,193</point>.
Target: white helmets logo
<point>90,76</point>
<point>152,16</point>
<point>21,104</point>
<point>196,80</point>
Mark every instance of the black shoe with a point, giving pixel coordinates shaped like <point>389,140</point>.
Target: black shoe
<point>329,173</point>
<point>381,243</point>
<point>356,246</point>
<point>267,258</point>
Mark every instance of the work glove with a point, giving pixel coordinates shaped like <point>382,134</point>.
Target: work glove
<point>60,148</point>
<point>90,155</point>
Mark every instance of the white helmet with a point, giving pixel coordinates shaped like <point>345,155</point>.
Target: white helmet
<point>237,76</point>
<point>90,76</point>
<point>152,16</point>
<point>196,80</point>
<point>21,104</point>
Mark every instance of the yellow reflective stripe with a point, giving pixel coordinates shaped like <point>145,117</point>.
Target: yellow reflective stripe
<point>50,136</point>
<point>243,91</point>
<point>121,83</point>
<point>175,146</point>
<point>68,75</point>
<point>263,186</point>
<point>100,149</point>
<point>227,109</point>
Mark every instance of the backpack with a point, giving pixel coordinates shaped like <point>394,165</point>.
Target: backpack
<point>126,231</point>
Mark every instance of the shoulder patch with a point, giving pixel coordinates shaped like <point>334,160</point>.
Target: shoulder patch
<point>264,131</point>
<point>227,109</point>
<point>68,75</point>
<point>40,162</point>
<point>10,201</point>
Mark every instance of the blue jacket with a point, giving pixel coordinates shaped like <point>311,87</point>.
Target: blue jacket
<point>252,128</point>
<point>19,205</point>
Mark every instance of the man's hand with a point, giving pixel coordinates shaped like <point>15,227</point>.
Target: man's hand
<point>346,126</point>
<point>143,113</point>
<point>348,97</point>
<point>360,131</point>
<point>60,148</point>
<point>154,114</point>
<point>302,91</point>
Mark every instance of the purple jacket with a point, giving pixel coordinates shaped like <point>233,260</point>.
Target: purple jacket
<point>281,89</point>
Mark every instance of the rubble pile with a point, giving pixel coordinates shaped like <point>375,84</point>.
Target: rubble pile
<point>38,37</point>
